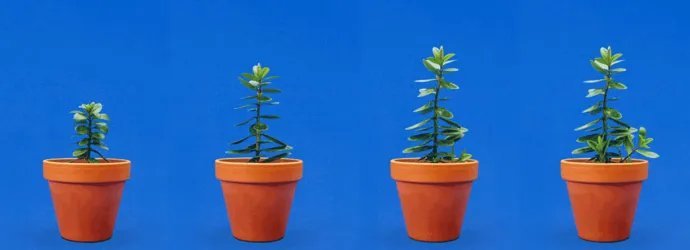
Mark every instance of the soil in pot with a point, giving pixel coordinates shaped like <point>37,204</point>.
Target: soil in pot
<point>604,197</point>
<point>86,196</point>
<point>258,196</point>
<point>433,196</point>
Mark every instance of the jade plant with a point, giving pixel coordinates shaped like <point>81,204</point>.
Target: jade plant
<point>257,81</point>
<point>606,140</point>
<point>91,126</point>
<point>439,130</point>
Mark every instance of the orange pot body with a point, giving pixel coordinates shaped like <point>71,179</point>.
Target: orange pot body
<point>433,196</point>
<point>86,196</point>
<point>604,197</point>
<point>258,196</point>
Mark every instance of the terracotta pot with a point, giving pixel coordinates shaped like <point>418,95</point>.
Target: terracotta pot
<point>86,196</point>
<point>604,197</point>
<point>433,196</point>
<point>258,196</point>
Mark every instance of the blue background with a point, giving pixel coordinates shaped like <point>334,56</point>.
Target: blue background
<point>166,72</point>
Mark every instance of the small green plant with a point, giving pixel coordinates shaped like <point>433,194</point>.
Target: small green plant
<point>90,123</point>
<point>613,133</point>
<point>258,82</point>
<point>452,132</point>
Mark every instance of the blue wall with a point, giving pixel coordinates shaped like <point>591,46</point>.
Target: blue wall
<point>166,72</point>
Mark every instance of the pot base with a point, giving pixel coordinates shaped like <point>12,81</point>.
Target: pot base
<point>443,241</point>
<point>596,241</point>
<point>251,241</point>
<point>77,241</point>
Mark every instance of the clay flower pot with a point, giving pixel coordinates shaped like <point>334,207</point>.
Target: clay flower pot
<point>604,197</point>
<point>433,196</point>
<point>86,196</point>
<point>258,196</point>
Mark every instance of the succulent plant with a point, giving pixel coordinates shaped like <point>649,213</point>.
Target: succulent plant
<point>91,126</point>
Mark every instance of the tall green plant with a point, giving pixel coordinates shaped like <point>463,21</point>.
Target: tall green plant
<point>257,81</point>
<point>613,133</point>
<point>443,132</point>
<point>90,124</point>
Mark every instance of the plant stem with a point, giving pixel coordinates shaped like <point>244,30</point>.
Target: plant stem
<point>90,135</point>
<point>439,78</point>
<point>604,118</point>
<point>258,120</point>
<point>631,153</point>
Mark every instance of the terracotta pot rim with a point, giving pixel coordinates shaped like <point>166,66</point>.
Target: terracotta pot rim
<point>242,161</point>
<point>63,162</point>
<point>238,170</point>
<point>585,162</point>
<point>416,162</point>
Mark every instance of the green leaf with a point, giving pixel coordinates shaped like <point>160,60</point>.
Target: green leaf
<point>593,109</point>
<point>426,92</point>
<point>97,108</point>
<point>421,137</point>
<point>619,122</point>
<point>425,80</point>
<point>244,106</point>
<point>617,71</point>
<point>450,122</point>
<point>424,129</point>
<point>595,81</point>
<point>102,126</point>
<point>98,135</point>
<point>81,129</point>
<point>102,117</point>
<point>270,116</point>
<point>448,56</point>
<point>418,124</point>
<point>616,56</point>
<point>277,149</point>
<point>83,142</point>
<point>613,113</point>
<point>437,52</point>
<point>617,85</point>
<point>240,141</point>
<point>588,124</point>
<point>448,85</point>
<point>241,151</point>
<point>276,157</point>
<point>273,139</point>
<point>249,76</point>
<point>585,138</point>
<point>245,122</point>
<point>450,70</point>
<point>431,66</point>
<point>643,132</point>
<point>248,97</point>
<point>271,78</point>
<point>416,149</point>
<point>582,150</point>
<point>593,129</point>
<point>648,154</point>
<point>101,146</point>
<point>259,127</point>
<point>263,98</point>
<point>247,84</point>
<point>269,90</point>
<point>79,116</point>
<point>596,66</point>
<point>80,151</point>
<point>445,142</point>
<point>595,92</point>
<point>424,108</point>
<point>91,160</point>
<point>444,113</point>
<point>628,143</point>
<point>446,61</point>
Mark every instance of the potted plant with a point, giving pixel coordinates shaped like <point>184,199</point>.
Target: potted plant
<point>604,188</point>
<point>86,190</point>
<point>259,190</point>
<point>435,188</point>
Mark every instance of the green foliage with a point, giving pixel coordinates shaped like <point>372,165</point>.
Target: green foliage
<point>436,135</point>
<point>613,133</point>
<point>256,81</point>
<point>90,125</point>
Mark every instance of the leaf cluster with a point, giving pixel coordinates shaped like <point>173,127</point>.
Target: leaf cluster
<point>443,131</point>
<point>258,81</point>
<point>612,133</point>
<point>91,126</point>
